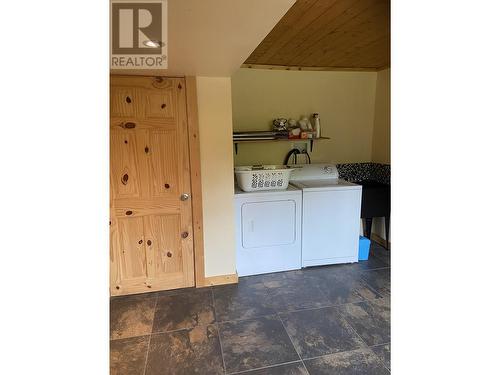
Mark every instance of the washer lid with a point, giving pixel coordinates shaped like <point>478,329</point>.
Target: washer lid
<point>331,184</point>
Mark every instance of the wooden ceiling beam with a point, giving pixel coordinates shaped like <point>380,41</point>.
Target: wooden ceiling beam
<point>371,47</point>
<point>363,27</point>
<point>340,13</point>
<point>292,23</point>
<point>308,20</point>
<point>311,68</point>
<point>366,54</point>
<point>337,34</point>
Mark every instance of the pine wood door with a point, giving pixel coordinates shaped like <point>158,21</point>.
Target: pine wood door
<point>151,223</point>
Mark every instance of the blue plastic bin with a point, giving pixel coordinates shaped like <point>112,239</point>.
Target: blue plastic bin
<point>364,248</point>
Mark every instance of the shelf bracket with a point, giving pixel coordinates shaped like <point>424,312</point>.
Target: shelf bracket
<point>311,145</point>
<point>236,148</point>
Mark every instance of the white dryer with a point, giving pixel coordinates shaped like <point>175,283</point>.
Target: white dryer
<point>331,210</point>
<point>268,230</point>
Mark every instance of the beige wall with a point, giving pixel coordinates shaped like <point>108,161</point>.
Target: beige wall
<point>354,108</point>
<point>351,105</point>
<point>344,100</point>
<point>212,38</point>
<point>381,147</point>
<point>215,122</point>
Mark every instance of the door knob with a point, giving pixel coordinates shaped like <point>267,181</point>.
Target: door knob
<point>184,197</point>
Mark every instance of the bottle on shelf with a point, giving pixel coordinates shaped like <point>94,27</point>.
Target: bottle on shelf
<point>317,126</point>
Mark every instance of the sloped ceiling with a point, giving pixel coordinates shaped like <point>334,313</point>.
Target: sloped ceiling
<point>331,34</point>
<point>214,37</point>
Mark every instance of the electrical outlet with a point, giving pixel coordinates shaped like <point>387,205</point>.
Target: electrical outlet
<point>301,146</point>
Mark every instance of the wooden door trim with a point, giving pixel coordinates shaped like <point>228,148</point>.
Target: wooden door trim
<point>196,192</point>
<point>221,279</point>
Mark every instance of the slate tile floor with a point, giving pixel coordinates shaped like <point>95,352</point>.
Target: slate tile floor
<point>321,320</point>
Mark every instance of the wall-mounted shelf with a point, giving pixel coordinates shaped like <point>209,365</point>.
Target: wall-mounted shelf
<point>310,140</point>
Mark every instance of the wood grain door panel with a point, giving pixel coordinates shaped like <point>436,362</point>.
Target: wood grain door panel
<point>125,102</point>
<point>123,208</point>
<point>167,259</point>
<point>149,172</point>
<point>160,105</point>
<point>132,250</point>
<point>119,123</point>
<point>163,164</point>
<point>124,165</point>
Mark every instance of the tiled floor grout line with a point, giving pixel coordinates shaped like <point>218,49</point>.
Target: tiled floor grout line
<point>263,367</point>
<point>245,319</point>
<point>345,303</point>
<point>301,360</point>
<point>150,335</point>
<point>276,312</point>
<point>329,306</point>
<point>218,332</point>
<point>373,290</point>
<point>180,329</point>
<point>353,329</point>
<point>373,269</point>
<point>385,343</point>
<point>383,364</point>
<point>328,354</point>
<point>128,337</point>
<point>347,351</point>
<point>361,273</point>
<point>283,325</point>
<point>289,338</point>
<point>364,342</point>
<point>357,334</point>
<point>381,361</point>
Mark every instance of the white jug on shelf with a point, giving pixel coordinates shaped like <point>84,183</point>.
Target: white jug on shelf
<point>317,126</point>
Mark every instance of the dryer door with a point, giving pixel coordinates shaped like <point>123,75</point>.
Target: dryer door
<point>268,223</point>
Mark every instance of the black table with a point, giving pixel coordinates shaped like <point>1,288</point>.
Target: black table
<point>375,202</point>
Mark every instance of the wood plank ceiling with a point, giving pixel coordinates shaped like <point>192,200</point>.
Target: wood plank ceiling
<point>328,35</point>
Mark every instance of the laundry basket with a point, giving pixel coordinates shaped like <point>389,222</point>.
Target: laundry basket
<point>263,177</point>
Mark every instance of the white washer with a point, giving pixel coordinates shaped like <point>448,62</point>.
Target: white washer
<point>268,230</point>
<point>331,210</point>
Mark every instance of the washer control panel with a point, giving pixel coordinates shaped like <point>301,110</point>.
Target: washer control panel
<point>306,172</point>
<point>328,169</point>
